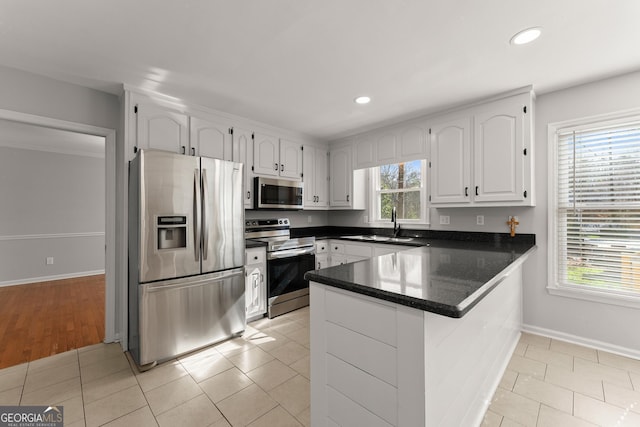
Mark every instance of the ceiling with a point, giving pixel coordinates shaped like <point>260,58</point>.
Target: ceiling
<point>298,64</point>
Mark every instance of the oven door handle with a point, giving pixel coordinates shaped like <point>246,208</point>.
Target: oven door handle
<point>291,253</point>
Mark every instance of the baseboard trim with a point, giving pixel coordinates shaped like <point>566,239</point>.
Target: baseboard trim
<point>49,278</point>
<point>586,342</point>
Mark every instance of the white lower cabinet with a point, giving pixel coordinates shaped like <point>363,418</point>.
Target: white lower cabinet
<point>255,283</point>
<point>376,363</point>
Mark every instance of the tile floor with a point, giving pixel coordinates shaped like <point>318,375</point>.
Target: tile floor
<point>262,379</point>
<point>551,383</point>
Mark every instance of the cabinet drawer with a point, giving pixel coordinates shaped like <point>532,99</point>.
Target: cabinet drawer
<point>364,251</point>
<point>255,256</point>
<point>322,247</point>
<point>337,248</point>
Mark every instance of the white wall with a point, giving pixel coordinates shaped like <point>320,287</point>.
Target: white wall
<point>610,324</point>
<point>53,205</point>
<point>42,96</point>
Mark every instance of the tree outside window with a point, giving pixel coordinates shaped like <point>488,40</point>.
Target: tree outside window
<point>401,185</point>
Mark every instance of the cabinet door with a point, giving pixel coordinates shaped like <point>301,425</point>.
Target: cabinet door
<point>386,145</point>
<point>290,159</point>
<point>341,176</point>
<point>450,162</point>
<point>162,129</point>
<point>337,259</point>
<point>320,177</point>
<point>243,153</point>
<point>210,139</point>
<point>322,261</point>
<point>316,190</point>
<point>498,154</point>
<point>255,292</point>
<point>364,152</point>
<point>266,155</point>
<point>411,142</point>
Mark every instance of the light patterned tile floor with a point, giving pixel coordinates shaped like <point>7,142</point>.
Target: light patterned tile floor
<point>262,379</point>
<point>551,383</point>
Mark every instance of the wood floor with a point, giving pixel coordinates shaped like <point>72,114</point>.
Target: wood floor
<point>41,319</point>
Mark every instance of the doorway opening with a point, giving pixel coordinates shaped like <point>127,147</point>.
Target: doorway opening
<point>57,278</point>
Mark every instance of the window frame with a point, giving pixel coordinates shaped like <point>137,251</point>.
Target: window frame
<point>374,191</point>
<point>553,285</point>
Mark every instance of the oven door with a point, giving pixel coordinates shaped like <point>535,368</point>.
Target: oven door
<point>286,271</point>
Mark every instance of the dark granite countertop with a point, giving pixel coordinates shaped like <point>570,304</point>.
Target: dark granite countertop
<point>447,276</point>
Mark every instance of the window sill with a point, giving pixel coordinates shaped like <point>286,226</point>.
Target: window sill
<point>595,296</point>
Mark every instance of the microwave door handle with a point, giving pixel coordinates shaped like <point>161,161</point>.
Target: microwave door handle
<point>196,214</point>
<point>205,223</point>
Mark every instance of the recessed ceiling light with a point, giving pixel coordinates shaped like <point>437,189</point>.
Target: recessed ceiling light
<point>526,36</point>
<point>362,100</point>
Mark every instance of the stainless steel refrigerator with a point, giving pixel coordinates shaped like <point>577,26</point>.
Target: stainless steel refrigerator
<point>186,254</point>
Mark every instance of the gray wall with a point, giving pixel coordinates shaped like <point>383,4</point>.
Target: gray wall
<point>33,94</point>
<point>573,319</point>
<point>53,205</point>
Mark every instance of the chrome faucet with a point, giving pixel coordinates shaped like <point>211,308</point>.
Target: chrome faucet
<point>394,219</point>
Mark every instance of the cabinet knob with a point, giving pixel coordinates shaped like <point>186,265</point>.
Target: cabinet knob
<point>255,257</point>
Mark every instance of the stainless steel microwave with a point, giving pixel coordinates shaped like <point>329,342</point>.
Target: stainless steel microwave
<point>277,193</point>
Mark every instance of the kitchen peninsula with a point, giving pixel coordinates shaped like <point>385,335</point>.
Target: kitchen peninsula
<point>417,337</point>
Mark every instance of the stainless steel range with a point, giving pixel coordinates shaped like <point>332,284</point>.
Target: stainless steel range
<point>287,261</point>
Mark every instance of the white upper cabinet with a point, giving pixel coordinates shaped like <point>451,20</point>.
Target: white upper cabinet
<point>347,186</point>
<point>412,142</point>
<point>451,161</point>
<point>499,161</point>
<point>243,153</point>
<point>161,129</point>
<point>210,139</point>
<point>266,155</point>
<point>390,145</point>
<point>290,159</point>
<point>387,148</point>
<point>315,166</point>
<point>482,156</point>
<point>340,173</point>
<point>274,157</point>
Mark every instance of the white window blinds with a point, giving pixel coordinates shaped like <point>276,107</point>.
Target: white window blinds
<point>598,208</point>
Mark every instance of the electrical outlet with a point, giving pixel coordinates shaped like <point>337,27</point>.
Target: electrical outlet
<point>365,219</point>
<point>479,219</point>
<point>49,260</point>
<point>444,220</point>
<point>309,219</point>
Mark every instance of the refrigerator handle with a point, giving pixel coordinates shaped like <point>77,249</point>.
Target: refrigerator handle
<point>205,224</point>
<point>196,214</point>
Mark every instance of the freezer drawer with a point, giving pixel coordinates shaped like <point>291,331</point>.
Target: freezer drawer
<point>178,316</point>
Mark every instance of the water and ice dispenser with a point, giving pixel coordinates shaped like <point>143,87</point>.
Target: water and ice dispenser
<point>172,232</point>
